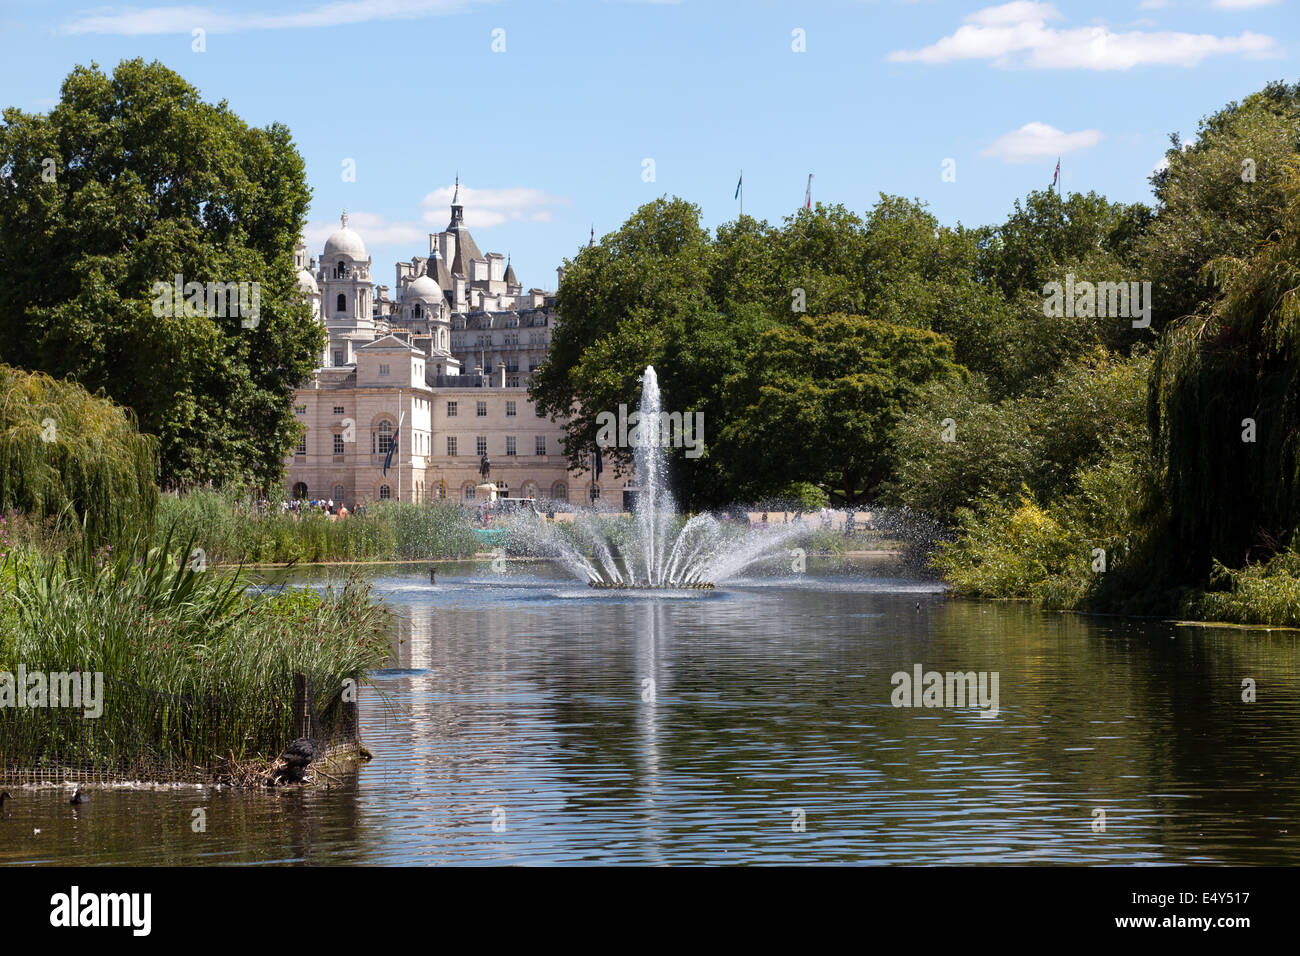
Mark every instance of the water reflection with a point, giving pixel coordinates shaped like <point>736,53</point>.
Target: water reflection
<point>531,695</point>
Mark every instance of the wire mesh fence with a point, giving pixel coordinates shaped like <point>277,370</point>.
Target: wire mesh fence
<point>149,735</point>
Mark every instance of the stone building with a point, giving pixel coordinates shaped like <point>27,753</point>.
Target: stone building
<point>441,367</point>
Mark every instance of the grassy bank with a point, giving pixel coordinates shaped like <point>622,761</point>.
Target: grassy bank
<point>390,531</point>
<point>197,669</point>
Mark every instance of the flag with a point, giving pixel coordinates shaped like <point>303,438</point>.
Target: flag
<point>807,196</point>
<point>392,449</point>
<point>600,463</point>
<point>1057,175</point>
<point>738,182</point>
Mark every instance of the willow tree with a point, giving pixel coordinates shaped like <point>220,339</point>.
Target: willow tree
<point>67,453</point>
<point>1225,409</point>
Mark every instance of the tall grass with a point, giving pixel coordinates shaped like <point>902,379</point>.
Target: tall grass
<point>197,667</point>
<point>229,533</point>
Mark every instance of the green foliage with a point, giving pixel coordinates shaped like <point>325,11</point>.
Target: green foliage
<point>801,494</point>
<point>1231,499</point>
<point>1087,413</point>
<point>74,458</point>
<point>230,533</point>
<point>1263,593</point>
<point>1208,209</point>
<point>827,394</point>
<point>197,665</point>
<point>150,182</point>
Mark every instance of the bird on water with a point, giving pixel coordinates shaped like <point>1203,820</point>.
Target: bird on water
<point>79,798</point>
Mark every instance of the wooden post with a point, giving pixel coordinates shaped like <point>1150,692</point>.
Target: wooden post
<point>301,719</point>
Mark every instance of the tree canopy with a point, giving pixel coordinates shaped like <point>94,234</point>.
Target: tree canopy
<point>130,180</point>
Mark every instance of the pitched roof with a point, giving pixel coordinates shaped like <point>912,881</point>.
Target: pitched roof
<point>389,343</point>
<point>466,249</point>
<point>510,275</point>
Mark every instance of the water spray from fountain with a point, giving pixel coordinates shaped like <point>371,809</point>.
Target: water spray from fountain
<point>663,550</point>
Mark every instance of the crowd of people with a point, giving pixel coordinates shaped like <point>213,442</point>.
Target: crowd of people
<point>324,506</point>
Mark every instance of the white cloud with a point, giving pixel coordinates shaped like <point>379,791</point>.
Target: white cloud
<point>483,208</point>
<point>1038,141</point>
<point>1242,4</point>
<point>491,207</point>
<point>142,21</point>
<point>374,228</point>
<point>1018,34</point>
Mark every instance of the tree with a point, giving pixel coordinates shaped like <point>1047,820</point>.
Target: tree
<point>1225,411</point>
<point>1221,195</point>
<point>819,401</point>
<point>132,180</point>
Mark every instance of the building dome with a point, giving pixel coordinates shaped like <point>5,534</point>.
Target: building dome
<point>423,288</point>
<point>344,242</point>
<point>307,283</point>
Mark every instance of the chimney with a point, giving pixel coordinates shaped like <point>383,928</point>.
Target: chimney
<point>501,375</point>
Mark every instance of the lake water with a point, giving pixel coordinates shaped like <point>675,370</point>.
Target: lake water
<point>517,725</point>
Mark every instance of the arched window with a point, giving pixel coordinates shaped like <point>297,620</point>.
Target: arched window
<point>469,491</point>
<point>385,493</point>
<point>417,310</point>
<point>338,494</point>
<point>341,303</point>
<point>300,489</point>
<point>381,439</point>
<point>560,491</point>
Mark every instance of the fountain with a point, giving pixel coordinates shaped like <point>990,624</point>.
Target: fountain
<point>663,552</point>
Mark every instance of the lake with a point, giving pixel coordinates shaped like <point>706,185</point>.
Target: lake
<point>525,719</point>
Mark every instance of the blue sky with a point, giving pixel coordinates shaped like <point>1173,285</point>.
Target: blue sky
<point>550,134</point>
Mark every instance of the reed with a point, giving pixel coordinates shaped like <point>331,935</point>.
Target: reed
<point>230,531</point>
<point>198,667</point>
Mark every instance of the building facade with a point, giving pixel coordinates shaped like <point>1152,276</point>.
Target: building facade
<point>441,368</point>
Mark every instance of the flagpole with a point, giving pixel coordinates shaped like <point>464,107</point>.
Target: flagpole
<point>742,194</point>
<point>401,418</point>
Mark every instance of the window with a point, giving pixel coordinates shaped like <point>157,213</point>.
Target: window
<point>510,409</point>
<point>383,370</point>
<point>341,304</point>
<point>539,445</point>
<point>481,410</point>
<point>338,443</point>
<point>338,494</point>
<point>338,356</point>
<point>510,444</point>
<point>469,492</point>
<point>480,443</point>
<point>302,445</point>
<point>300,489</point>
<point>385,493</point>
<point>538,410</point>
<point>300,409</point>
<point>451,447</point>
<point>338,409</point>
<point>451,409</point>
<point>382,438</point>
